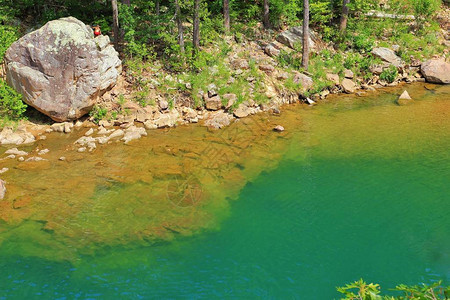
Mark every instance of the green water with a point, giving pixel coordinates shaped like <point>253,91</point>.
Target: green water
<point>361,189</point>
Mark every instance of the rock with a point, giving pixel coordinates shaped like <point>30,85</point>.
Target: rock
<point>278,128</point>
<point>43,151</point>
<point>436,71</point>
<point>283,76</point>
<point>133,133</point>
<point>376,69</point>
<point>242,111</point>
<point>105,123</point>
<point>240,64</point>
<point>294,36</point>
<point>19,137</point>
<point>11,156</point>
<point>213,103</point>
<point>84,140</point>
<point>163,104</point>
<point>324,94</point>
<point>333,78</point>
<point>212,90</point>
<point>89,132</point>
<point>62,158</point>
<point>82,149</point>
<point>2,189</point>
<point>149,125</point>
<point>404,99</point>
<point>61,69</point>
<point>348,74</point>
<point>395,48</point>
<point>68,127</point>
<point>388,55</point>
<point>266,68</point>
<point>103,131</point>
<point>271,50</point>
<point>190,115</point>
<point>35,158</point>
<point>16,151</point>
<point>310,102</point>
<point>348,85</point>
<point>3,170</point>
<point>167,120</point>
<point>116,134</point>
<point>78,124</point>
<point>218,120</point>
<point>57,127</point>
<point>306,82</point>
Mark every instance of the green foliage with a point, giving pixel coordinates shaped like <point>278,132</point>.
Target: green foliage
<point>8,35</point>
<point>389,74</point>
<point>360,290</point>
<point>98,113</point>
<point>424,9</point>
<point>11,105</point>
<point>363,43</point>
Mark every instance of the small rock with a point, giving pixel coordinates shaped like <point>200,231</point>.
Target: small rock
<point>68,127</point>
<point>333,78</point>
<point>117,133</point>
<point>42,137</point>
<point>163,104</point>
<point>348,74</point>
<point>395,48</point>
<point>35,158</point>
<point>62,158</point>
<point>271,50</point>
<point>278,128</point>
<point>89,132</point>
<point>82,149</point>
<point>78,124</point>
<point>102,131</point>
<point>16,151</point>
<point>57,127</point>
<point>149,125</point>
<point>213,103</point>
<point>212,90</point>
<point>310,102</point>
<point>230,99</point>
<point>348,85</point>
<point>3,170</point>
<point>102,140</point>
<point>43,151</point>
<point>105,123</point>
<point>266,68</point>
<point>21,159</point>
<point>242,111</point>
<point>404,99</point>
<point>11,156</point>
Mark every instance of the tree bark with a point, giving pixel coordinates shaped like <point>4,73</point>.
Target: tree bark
<point>115,23</point>
<point>305,54</point>
<point>226,15</point>
<point>157,8</point>
<point>344,16</point>
<point>266,15</point>
<point>180,26</point>
<point>196,29</point>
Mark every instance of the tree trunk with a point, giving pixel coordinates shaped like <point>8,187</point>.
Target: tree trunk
<point>226,15</point>
<point>115,23</point>
<point>180,26</point>
<point>344,16</point>
<point>196,29</point>
<point>157,7</point>
<point>266,20</point>
<point>305,54</point>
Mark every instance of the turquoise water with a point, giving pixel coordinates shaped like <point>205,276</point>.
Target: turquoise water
<point>325,216</point>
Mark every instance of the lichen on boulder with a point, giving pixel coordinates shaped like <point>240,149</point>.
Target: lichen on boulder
<point>61,69</point>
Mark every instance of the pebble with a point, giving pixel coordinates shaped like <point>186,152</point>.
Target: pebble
<point>278,128</point>
<point>4,170</point>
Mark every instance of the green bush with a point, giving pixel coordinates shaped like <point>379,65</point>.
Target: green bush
<point>11,105</point>
<point>424,9</point>
<point>389,74</point>
<point>8,35</point>
<point>98,113</point>
<point>360,290</point>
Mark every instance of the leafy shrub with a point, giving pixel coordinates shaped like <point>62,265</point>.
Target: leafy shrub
<point>389,74</point>
<point>369,291</point>
<point>8,35</point>
<point>98,113</point>
<point>363,43</point>
<point>424,9</point>
<point>11,105</point>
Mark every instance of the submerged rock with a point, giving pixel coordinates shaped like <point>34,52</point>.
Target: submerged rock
<point>218,120</point>
<point>278,128</point>
<point>436,71</point>
<point>18,137</point>
<point>16,151</point>
<point>2,189</point>
<point>61,69</point>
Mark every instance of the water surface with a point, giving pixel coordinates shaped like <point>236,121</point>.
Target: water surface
<point>356,187</point>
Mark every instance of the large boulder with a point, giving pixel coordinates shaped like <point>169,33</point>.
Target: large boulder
<point>61,69</point>
<point>436,71</point>
<point>294,35</point>
<point>388,55</point>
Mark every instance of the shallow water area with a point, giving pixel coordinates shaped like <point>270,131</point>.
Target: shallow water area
<point>355,187</point>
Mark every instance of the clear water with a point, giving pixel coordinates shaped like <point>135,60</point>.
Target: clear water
<point>357,188</point>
